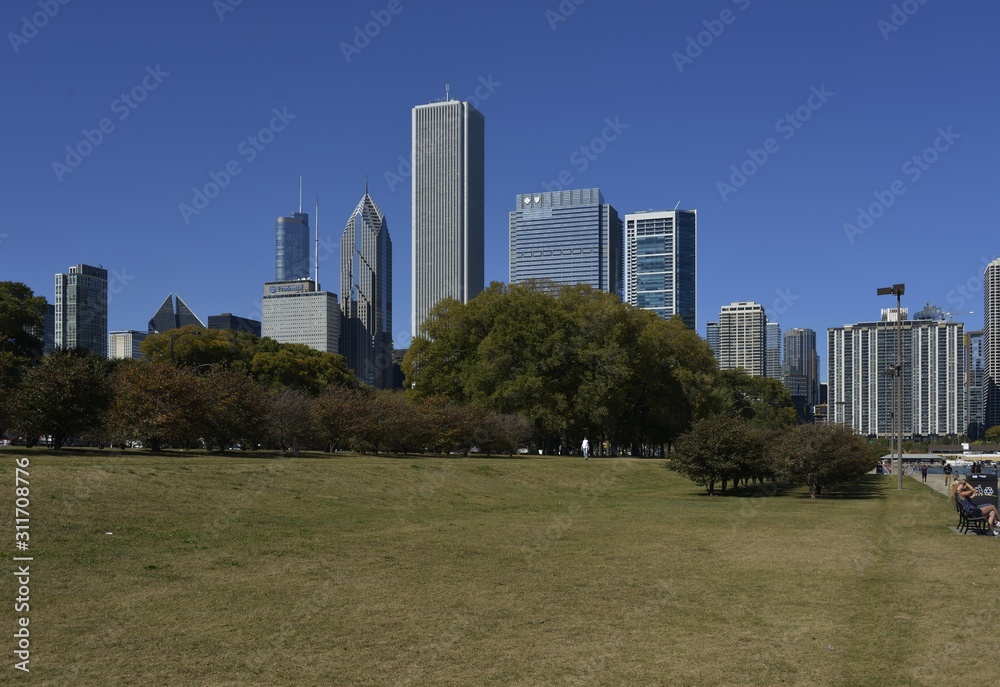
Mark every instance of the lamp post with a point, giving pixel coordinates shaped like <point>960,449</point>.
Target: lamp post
<point>898,290</point>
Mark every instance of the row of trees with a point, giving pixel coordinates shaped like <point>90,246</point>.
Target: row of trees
<point>220,389</point>
<point>578,362</point>
<point>722,450</point>
<point>155,404</point>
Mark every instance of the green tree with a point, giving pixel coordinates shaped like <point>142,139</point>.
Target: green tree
<point>67,395</point>
<point>22,317</point>
<point>156,403</point>
<point>821,456</point>
<point>993,434</point>
<point>235,407</point>
<point>290,419</point>
<point>295,366</point>
<point>194,346</point>
<point>718,449</point>
<point>572,359</point>
<point>761,401</point>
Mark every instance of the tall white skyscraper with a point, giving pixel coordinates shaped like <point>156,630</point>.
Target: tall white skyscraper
<point>991,344</point>
<point>742,332</point>
<point>862,393</point>
<point>448,198</point>
<point>661,263</point>
<point>296,312</point>
<point>81,316</point>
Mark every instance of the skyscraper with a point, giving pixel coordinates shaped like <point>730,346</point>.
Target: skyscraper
<point>712,337</point>
<point>661,263</point>
<point>172,316</point>
<point>991,344</point>
<point>296,312</point>
<point>81,313</point>
<point>974,375</point>
<point>567,237</point>
<point>233,323</point>
<point>125,345</point>
<point>800,370</point>
<point>448,192</point>
<point>292,247</point>
<point>366,294</point>
<point>742,334</point>
<point>772,352</point>
<point>862,392</point>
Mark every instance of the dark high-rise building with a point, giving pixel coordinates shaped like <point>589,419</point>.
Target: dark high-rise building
<point>237,324</point>
<point>366,295</point>
<point>772,351</point>
<point>991,344</point>
<point>661,263</point>
<point>567,237</point>
<point>170,316</point>
<point>974,385</point>
<point>800,370</point>
<point>292,247</point>
<point>81,312</point>
<point>448,205</point>
<point>712,337</point>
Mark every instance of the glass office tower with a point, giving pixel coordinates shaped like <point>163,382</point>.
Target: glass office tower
<point>661,262</point>
<point>366,295</point>
<point>292,247</point>
<point>81,313</point>
<point>566,237</point>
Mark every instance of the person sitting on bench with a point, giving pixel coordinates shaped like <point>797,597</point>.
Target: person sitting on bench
<point>964,493</point>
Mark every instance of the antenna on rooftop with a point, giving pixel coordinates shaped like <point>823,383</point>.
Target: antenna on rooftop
<point>677,206</point>
<point>447,92</point>
<point>300,194</point>
<point>317,243</point>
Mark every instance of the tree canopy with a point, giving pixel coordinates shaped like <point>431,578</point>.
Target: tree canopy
<point>574,360</point>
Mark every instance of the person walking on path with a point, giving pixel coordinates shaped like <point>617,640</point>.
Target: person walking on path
<point>923,473</point>
<point>947,475</point>
<point>585,447</point>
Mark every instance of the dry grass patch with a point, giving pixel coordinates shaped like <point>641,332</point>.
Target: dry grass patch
<point>353,570</point>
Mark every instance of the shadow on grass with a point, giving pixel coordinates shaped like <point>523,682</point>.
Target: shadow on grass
<point>868,487</point>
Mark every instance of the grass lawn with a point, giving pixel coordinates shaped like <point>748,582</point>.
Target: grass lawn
<point>352,570</point>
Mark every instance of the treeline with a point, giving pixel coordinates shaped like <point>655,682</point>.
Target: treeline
<point>220,389</point>
<point>577,362</point>
<point>155,404</point>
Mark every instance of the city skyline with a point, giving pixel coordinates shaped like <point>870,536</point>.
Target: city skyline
<point>758,117</point>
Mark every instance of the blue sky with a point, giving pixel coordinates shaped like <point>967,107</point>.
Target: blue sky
<point>822,105</point>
